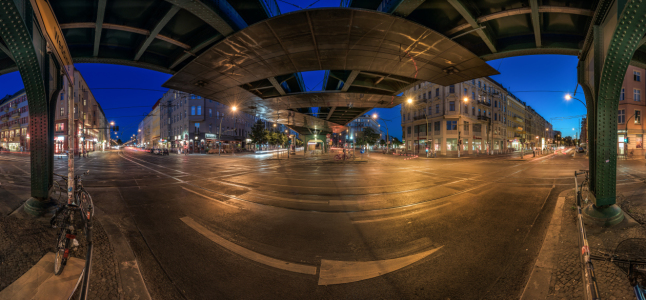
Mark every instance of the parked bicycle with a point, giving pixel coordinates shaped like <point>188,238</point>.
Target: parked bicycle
<point>344,156</point>
<point>73,217</point>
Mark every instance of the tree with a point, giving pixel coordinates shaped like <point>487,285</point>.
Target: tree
<point>257,134</point>
<point>382,142</point>
<point>370,136</point>
<point>119,142</point>
<point>396,142</point>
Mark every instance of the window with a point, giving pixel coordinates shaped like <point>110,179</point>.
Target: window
<point>62,96</point>
<point>638,117</point>
<point>168,120</point>
<point>199,110</point>
<point>466,126</point>
<point>408,130</point>
<point>84,102</point>
<point>479,83</point>
<point>622,116</point>
<point>437,126</point>
<point>495,104</point>
<point>192,96</point>
<point>60,126</point>
<point>465,91</point>
<point>495,117</point>
<point>452,106</point>
<point>197,127</point>
<point>74,108</point>
<point>451,125</point>
<point>473,110</point>
<point>210,127</point>
<point>210,113</point>
<point>637,95</point>
<point>623,94</point>
<point>437,108</point>
<point>429,95</point>
<point>473,95</point>
<point>192,110</point>
<point>452,88</point>
<point>437,92</point>
<point>637,76</point>
<point>62,111</point>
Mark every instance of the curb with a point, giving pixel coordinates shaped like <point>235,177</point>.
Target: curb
<point>130,281</point>
<point>538,285</point>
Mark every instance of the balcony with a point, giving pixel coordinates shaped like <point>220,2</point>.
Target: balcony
<point>478,134</point>
<point>484,118</point>
<point>517,119</point>
<point>15,126</point>
<point>15,116</point>
<point>484,103</point>
<point>4,118</point>
<point>422,117</point>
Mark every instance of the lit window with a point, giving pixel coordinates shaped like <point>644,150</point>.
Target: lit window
<point>637,95</point>
<point>638,117</point>
<point>199,110</point>
<point>622,116</point>
<point>452,106</point>
<point>637,76</point>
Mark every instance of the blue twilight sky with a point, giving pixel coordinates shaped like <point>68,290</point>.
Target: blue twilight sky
<point>540,80</point>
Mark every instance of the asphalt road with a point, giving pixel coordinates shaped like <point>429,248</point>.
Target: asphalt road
<point>255,227</point>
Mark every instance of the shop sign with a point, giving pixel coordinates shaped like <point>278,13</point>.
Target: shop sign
<point>209,135</point>
<point>476,138</point>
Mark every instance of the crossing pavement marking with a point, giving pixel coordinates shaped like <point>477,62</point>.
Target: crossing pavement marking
<point>207,197</point>
<point>400,216</point>
<point>246,253</point>
<point>337,272</point>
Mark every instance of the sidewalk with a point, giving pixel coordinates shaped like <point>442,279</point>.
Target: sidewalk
<point>565,281</point>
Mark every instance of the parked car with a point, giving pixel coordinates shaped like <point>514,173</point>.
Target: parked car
<point>580,150</point>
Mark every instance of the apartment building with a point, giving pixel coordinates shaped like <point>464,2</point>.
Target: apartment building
<point>192,122</point>
<point>630,125</point>
<point>89,120</point>
<point>356,127</point>
<point>515,122</point>
<point>14,122</point>
<point>470,114</point>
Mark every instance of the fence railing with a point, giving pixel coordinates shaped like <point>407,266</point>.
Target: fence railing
<point>589,280</point>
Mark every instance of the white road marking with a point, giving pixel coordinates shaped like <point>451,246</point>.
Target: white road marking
<point>207,197</point>
<point>399,216</point>
<point>336,272</point>
<point>124,157</point>
<point>246,253</point>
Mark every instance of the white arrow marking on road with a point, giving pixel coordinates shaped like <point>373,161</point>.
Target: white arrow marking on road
<point>336,272</point>
<point>244,252</point>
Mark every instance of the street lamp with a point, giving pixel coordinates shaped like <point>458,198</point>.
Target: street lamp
<point>568,98</point>
<point>233,109</point>
<point>374,116</point>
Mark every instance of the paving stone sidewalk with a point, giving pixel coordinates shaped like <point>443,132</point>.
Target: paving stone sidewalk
<point>23,242</point>
<point>566,278</point>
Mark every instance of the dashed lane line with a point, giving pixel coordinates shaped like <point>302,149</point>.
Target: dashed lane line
<point>246,253</point>
<point>399,216</point>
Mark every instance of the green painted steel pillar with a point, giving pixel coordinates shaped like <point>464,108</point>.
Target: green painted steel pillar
<point>40,77</point>
<point>609,72</point>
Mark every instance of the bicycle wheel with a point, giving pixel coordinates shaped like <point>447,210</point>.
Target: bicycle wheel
<point>62,252</point>
<point>85,203</point>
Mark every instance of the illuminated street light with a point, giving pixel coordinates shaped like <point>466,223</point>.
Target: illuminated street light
<point>466,99</point>
<point>410,100</point>
<point>112,123</point>
<point>568,97</point>
<point>374,116</point>
<point>233,108</point>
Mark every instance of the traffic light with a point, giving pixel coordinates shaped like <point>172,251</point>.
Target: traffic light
<point>627,140</point>
<point>115,128</point>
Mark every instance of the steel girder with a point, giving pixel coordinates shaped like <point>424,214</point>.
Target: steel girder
<point>631,26</point>
<point>18,33</point>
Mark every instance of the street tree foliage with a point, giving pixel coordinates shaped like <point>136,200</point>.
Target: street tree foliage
<point>370,136</point>
<point>382,142</point>
<point>258,133</point>
<point>119,142</point>
<point>396,142</point>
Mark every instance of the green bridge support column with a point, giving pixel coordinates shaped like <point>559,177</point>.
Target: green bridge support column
<point>609,75</point>
<point>41,78</point>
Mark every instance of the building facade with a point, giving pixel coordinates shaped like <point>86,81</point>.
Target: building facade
<point>191,122</point>
<point>630,125</point>
<point>14,122</point>
<point>89,120</point>
<point>515,112</point>
<point>472,115</point>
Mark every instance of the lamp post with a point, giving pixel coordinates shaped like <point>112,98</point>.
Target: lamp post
<point>466,99</point>
<point>374,116</point>
<point>233,110</point>
<point>568,97</point>
<point>575,135</point>
<point>410,101</point>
